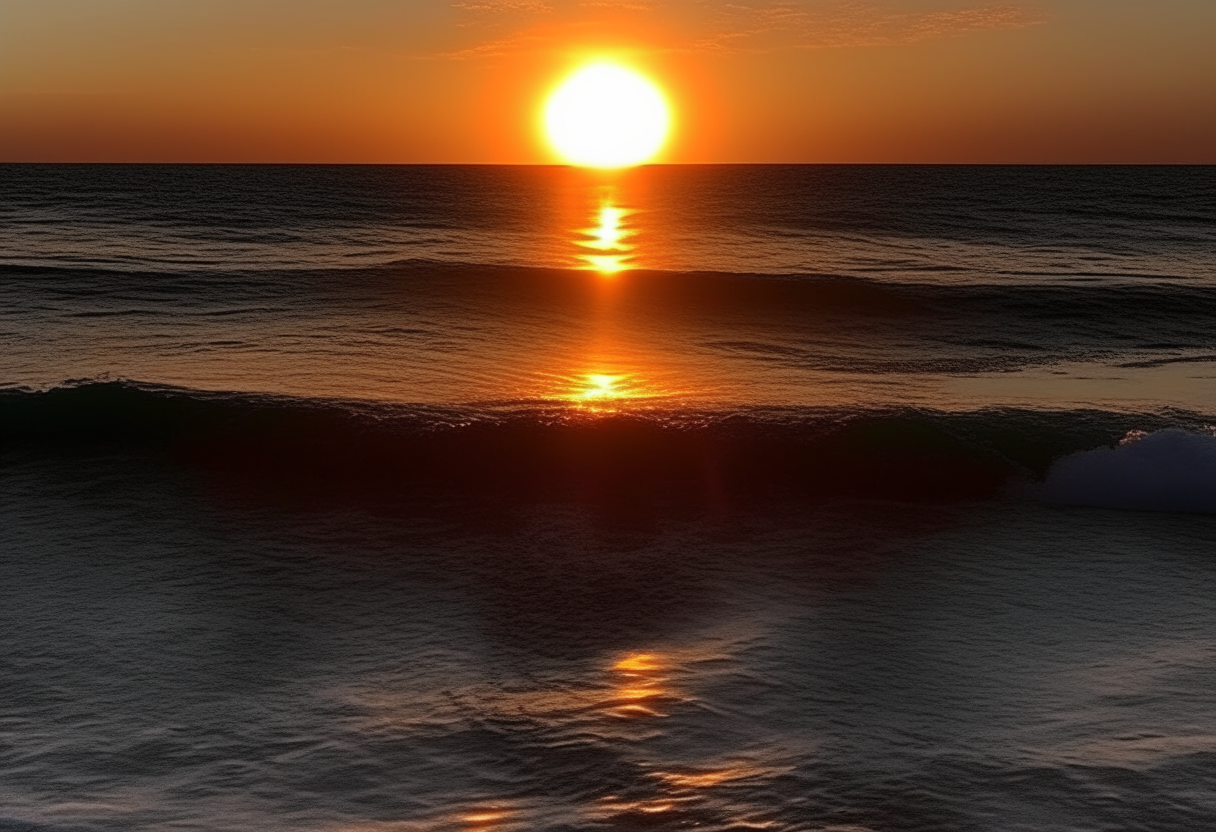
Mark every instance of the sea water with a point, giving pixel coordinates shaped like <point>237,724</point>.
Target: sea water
<point>495,498</point>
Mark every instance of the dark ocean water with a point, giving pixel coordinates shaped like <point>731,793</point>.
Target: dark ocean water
<point>372,499</point>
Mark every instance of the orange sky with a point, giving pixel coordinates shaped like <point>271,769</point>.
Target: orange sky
<point>438,81</point>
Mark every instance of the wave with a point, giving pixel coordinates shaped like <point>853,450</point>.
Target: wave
<point>1054,299</point>
<point>546,451</point>
<point>1169,470</point>
<point>828,322</point>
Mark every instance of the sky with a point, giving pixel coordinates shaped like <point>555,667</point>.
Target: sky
<point>437,81</point>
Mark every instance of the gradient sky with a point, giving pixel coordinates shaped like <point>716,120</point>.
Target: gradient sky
<point>441,81</point>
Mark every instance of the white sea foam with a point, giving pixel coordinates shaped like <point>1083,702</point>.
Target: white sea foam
<point>1169,470</point>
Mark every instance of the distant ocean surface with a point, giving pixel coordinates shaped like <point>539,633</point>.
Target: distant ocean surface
<point>374,499</point>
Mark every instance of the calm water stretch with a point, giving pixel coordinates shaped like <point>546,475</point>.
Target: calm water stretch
<point>374,499</point>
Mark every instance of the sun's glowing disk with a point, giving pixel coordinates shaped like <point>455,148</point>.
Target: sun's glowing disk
<point>606,116</point>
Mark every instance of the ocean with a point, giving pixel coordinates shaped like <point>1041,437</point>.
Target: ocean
<point>490,498</point>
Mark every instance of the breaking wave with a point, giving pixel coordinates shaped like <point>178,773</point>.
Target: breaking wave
<point>1168,470</point>
<point>547,451</point>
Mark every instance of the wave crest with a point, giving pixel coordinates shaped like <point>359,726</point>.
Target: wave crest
<point>1166,470</point>
<point>535,451</point>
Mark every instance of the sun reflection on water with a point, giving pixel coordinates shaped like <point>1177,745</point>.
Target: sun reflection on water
<point>607,238</point>
<point>638,663</point>
<point>601,391</point>
<point>613,387</point>
<point>485,819</point>
<point>640,689</point>
<point>626,700</point>
<point>603,386</point>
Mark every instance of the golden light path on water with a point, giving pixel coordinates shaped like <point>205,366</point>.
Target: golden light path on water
<point>607,240</point>
<point>621,703</point>
<point>610,376</point>
<point>603,372</point>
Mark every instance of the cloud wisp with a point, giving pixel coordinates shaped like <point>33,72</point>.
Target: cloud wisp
<point>842,25</point>
<point>510,26</point>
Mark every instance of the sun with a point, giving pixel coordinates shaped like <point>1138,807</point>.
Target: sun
<point>606,116</point>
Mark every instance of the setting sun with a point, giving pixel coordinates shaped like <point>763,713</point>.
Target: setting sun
<point>606,116</point>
